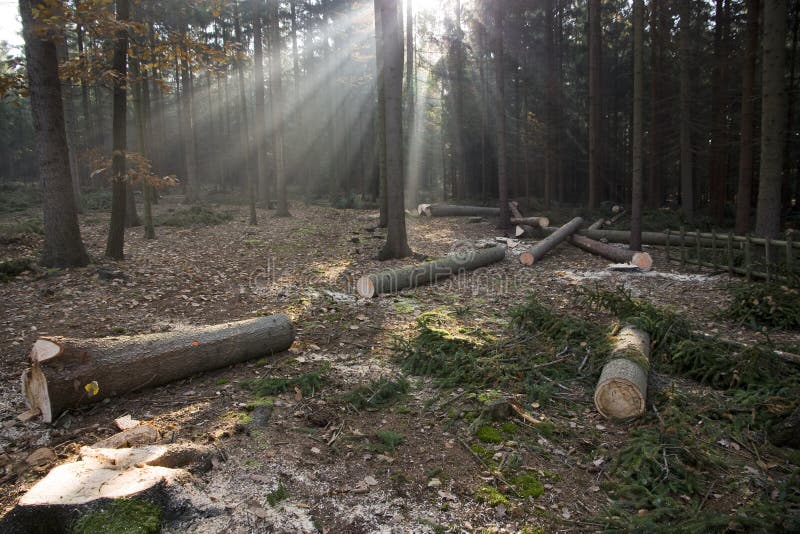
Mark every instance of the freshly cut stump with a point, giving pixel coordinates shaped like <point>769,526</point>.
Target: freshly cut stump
<point>537,252</point>
<point>394,280</point>
<point>621,392</point>
<point>63,370</point>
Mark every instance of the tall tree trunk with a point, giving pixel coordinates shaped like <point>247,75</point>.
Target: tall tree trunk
<point>549,155</point>
<point>63,246</point>
<point>297,163</point>
<point>457,79</point>
<point>744,194</point>
<point>71,127</point>
<point>187,101</point>
<point>499,74</point>
<point>638,130</point>
<point>276,103</point>
<point>396,245</point>
<point>116,232</point>
<point>147,132</point>
<point>719,90</point>
<point>381,119</point>
<point>687,179</point>
<point>595,118</point>
<point>773,119</point>
<point>482,67</point>
<point>787,193</point>
<point>245,134</point>
<point>260,120</point>
<point>89,135</point>
<point>655,184</point>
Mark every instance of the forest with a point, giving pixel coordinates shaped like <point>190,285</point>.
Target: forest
<point>399,265</point>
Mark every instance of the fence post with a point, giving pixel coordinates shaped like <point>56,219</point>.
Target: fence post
<point>730,253</point>
<point>767,258</point>
<point>714,248</point>
<point>683,247</point>
<point>747,263</point>
<point>697,246</point>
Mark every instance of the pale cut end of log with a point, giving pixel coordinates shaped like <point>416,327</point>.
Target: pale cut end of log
<point>544,222</point>
<point>422,209</point>
<point>43,350</point>
<point>642,260</point>
<point>621,391</point>
<point>616,209</point>
<point>526,258</point>
<point>365,287</point>
<point>519,231</point>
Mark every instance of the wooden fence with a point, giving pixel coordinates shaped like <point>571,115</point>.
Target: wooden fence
<point>752,257</point>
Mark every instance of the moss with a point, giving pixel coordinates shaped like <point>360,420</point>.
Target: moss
<point>545,428</point>
<point>223,382</point>
<point>121,516</point>
<point>255,403</point>
<point>528,486</point>
<point>490,496</point>
<point>509,428</point>
<point>489,434</point>
<point>280,494</point>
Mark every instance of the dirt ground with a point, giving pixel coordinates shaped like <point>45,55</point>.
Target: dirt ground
<point>317,446</point>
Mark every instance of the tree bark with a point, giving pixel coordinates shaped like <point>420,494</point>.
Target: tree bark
<point>63,246</point>
<point>744,194</point>
<point>276,90</point>
<point>719,111</point>
<point>621,392</point>
<point>450,210</point>
<point>538,251</point>
<point>116,232</point>
<point>595,118</point>
<point>189,148</point>
<point>430,272</point>
<point>396,245</point>
<point>245,134</point>
<point>381,119</point>
<point>687,180</point>
<point>260,120</point>
<point>499,72</point>
<point>638,129</point>
<point>61,367</point>
<point>641,260</point>
<point>773,119</point>
<point>550,126</point>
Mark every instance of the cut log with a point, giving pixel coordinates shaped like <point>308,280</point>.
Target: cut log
<point>621,392</point>
<point>544,246</point>
<point>450,210</point>
<point>523,230</point>
<point>61,368</point>
<point>641,260</point>
<point>538,222</point>
<point>648,238</point>
<point>597,224</point>
<point>394,280</point>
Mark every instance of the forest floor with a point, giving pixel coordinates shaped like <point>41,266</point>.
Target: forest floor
<point>427,458</point>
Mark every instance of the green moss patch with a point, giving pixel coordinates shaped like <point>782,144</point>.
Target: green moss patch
<point>527,486</point>
<point>121,516</point>
<point>490,496</point>
<point>280,494</point>
<point>489,434</point>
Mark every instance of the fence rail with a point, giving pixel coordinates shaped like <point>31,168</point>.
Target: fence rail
<point>752,257</point>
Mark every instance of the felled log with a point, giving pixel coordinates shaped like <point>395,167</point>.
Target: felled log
<point>648,238</point>
<point>621,392</point>
<point>63,370</point>
<point>450,210</point>
<point>538,222</point>
<point>522,230</point>
<point>641,260</point>
<point>537,252</point>
<point>429,272</point>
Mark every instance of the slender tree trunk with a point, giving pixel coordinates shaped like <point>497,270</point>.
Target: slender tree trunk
<point>655,185</point>
<point>116,232</point>
<point>89,135</point>
<point>245,134</point>
<point>687,179</point>
<point>381,119</point>
<point>457,79</point>
<point>773,119</point>
<point>549,156</point>
<point>499,73</point>
<point>396,245</point>
<point>718,159</point>
<point>190,153</point>
<point>482,67</point>
<point>297,163</point>
<point>63,246</point>
<point>787,151</point>
<point>638,130</point>
<point>744,194</point>
<point>595,118</point>
<point>147,131</point>
<point>260,120</point>
<point>277,108</point>
<point>71,127</point>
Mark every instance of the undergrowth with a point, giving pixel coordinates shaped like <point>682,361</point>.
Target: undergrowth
<point>27,226</point>
<point>120,516</point>
<point>195,216</point>
<point>378,393</point>
<point>269,386</point>
<point>13,268</point>
<point>765,305</point>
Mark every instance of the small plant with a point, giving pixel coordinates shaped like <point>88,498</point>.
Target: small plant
<point>28,226</point>
<point>389,440</point>
<point>280,494</point>
<point>489,434</point>
<point>381,392</point>
<point>765,305</point>
<point>509,428</point>
<point>12,268</point>
<point>271,386</point>
<point>121,516</point>
<point>528,486</point>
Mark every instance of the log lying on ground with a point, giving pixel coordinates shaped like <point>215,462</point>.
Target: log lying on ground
<point>599,223</point>
<point>544,246</point>
<point>621,392</point>
<point>62,367</point>
<point>450,210</point>
<point>523,230</point>
<point>416,275</point>
<point>648,238</point>
<point>619,255</point>
<point>539,222</point>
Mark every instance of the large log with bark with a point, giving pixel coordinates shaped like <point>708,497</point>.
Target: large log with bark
<point>451,210</point>
<point>393,280</point>
<point>621,392</point>
<point>648,238</point>
<point>63,370</point>
<point>619,255</point>
<point>539,222</point>
<point>537,252</point>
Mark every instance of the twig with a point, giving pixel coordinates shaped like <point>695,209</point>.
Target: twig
<point>705,498</point>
